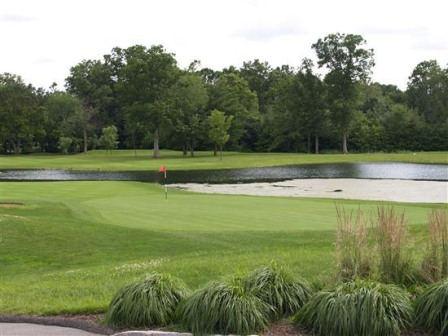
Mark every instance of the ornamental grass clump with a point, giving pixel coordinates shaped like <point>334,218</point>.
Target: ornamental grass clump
<point>148,302</point>
<point>391,237</point>
<point>431,309</point>
<point>227,307</point>
<point>353,248</point>
<point>280,289</point>
<point>357,308</point>
<point>435,261</point>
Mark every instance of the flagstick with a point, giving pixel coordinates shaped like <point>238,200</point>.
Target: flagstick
<point>166,191</point>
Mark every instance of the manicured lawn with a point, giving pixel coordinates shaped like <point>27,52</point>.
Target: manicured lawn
<point>126,160</point>
<point>73,244</point>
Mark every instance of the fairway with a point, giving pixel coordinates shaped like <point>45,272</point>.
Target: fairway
<point>142,160</point>
<point>71,245</point>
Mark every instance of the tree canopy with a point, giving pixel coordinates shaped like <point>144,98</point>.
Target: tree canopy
<point>146,100</point>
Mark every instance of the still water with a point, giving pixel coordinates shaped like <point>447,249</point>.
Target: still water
<point>406,171</point>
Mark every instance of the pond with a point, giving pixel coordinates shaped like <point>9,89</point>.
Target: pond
<point>383,170</point>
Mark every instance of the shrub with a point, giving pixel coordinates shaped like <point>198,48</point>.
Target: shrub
<point>352,245</point>
<point>431,309</point>
<point>357,308</point>
<point>224,307</point>
<point>278,288</point>
<point>435,262</point>
<point>149,302</point>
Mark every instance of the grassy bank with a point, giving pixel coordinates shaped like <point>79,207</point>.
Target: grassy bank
<point>142,160</point>
<point>71,245</point>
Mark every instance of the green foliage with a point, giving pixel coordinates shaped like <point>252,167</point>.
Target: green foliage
<point>146,303</point>
<point>431,309</point>
<point>427,92</point>
<point>348,64</point>
<point>144,79</point>
<point>279,288</point>
<point>21,123</point>
<point>219,126</point>
<point>109,138</point>
<point>231,94</point>
<point>357,308</point>
<point>64,144</point>
<point>224,307</point>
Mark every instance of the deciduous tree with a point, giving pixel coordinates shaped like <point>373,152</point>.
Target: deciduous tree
<point>144,79</point>
<point>219,125</point>
<point>348,63</point>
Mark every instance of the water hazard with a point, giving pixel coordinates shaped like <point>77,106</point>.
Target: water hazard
<point>406,171</point>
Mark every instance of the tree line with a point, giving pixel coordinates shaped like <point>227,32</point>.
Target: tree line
<point>139,97</point>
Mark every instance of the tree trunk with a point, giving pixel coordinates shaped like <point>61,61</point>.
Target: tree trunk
<point>84,134</point>
<point>220,152</point>
<point>133,144</point>
<point>344,143</point>
<point>156,153</point>
<point>184,149</point>
<point>191,148</point>
<point>215,150</point>
<point>309,143</point>
<point>316,145</point>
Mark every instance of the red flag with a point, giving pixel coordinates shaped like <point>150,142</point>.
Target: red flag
<point>162,169</point>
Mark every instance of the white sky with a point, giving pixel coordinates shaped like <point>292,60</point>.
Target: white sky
<point>41,39</point>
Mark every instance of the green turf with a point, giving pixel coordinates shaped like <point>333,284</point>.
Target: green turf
<point>73,244</point>
<point>126,160</point>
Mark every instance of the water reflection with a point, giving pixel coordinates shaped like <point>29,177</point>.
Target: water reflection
<point>408,171</point>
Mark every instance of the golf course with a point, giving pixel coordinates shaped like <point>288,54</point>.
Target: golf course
<point>67,247</point>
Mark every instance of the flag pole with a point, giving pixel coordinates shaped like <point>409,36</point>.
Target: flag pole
<point>166,190</point>
<point>163,170</point>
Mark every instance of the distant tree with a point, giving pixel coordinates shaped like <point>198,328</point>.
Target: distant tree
<point>21,120</point>
<point>64,144</point>
<point>109,138</point>
<point>281,125</point>
<point>348,63</point>
<point>257,75</point>
<point>187,102</point>
<point>60,110</point>
<point>428,91</point>
<point>232,95</point>
<point>311,104</point>
<point>144,79</point>
<point>90,81</point>
<point>219,125</point>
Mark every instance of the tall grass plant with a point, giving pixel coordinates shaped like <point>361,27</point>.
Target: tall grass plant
<point>435,262</point>
<point>391,237</point>
<point>227,307</point>
<point>146,303</point>
<point>353,246</point>
<point>277,287</point>
<point>431,309</point>
<point>357,308</point>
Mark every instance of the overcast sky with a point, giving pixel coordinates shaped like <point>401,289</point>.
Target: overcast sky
<point>41,39</point>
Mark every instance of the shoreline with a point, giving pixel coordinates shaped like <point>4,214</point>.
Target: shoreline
<point>407,191</point>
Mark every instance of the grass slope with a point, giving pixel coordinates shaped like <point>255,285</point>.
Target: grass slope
<point>72,245</point>
<point>126,160</point>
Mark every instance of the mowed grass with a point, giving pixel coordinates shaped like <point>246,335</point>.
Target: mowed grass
<point>126,160</point>
<point>72,245</point>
